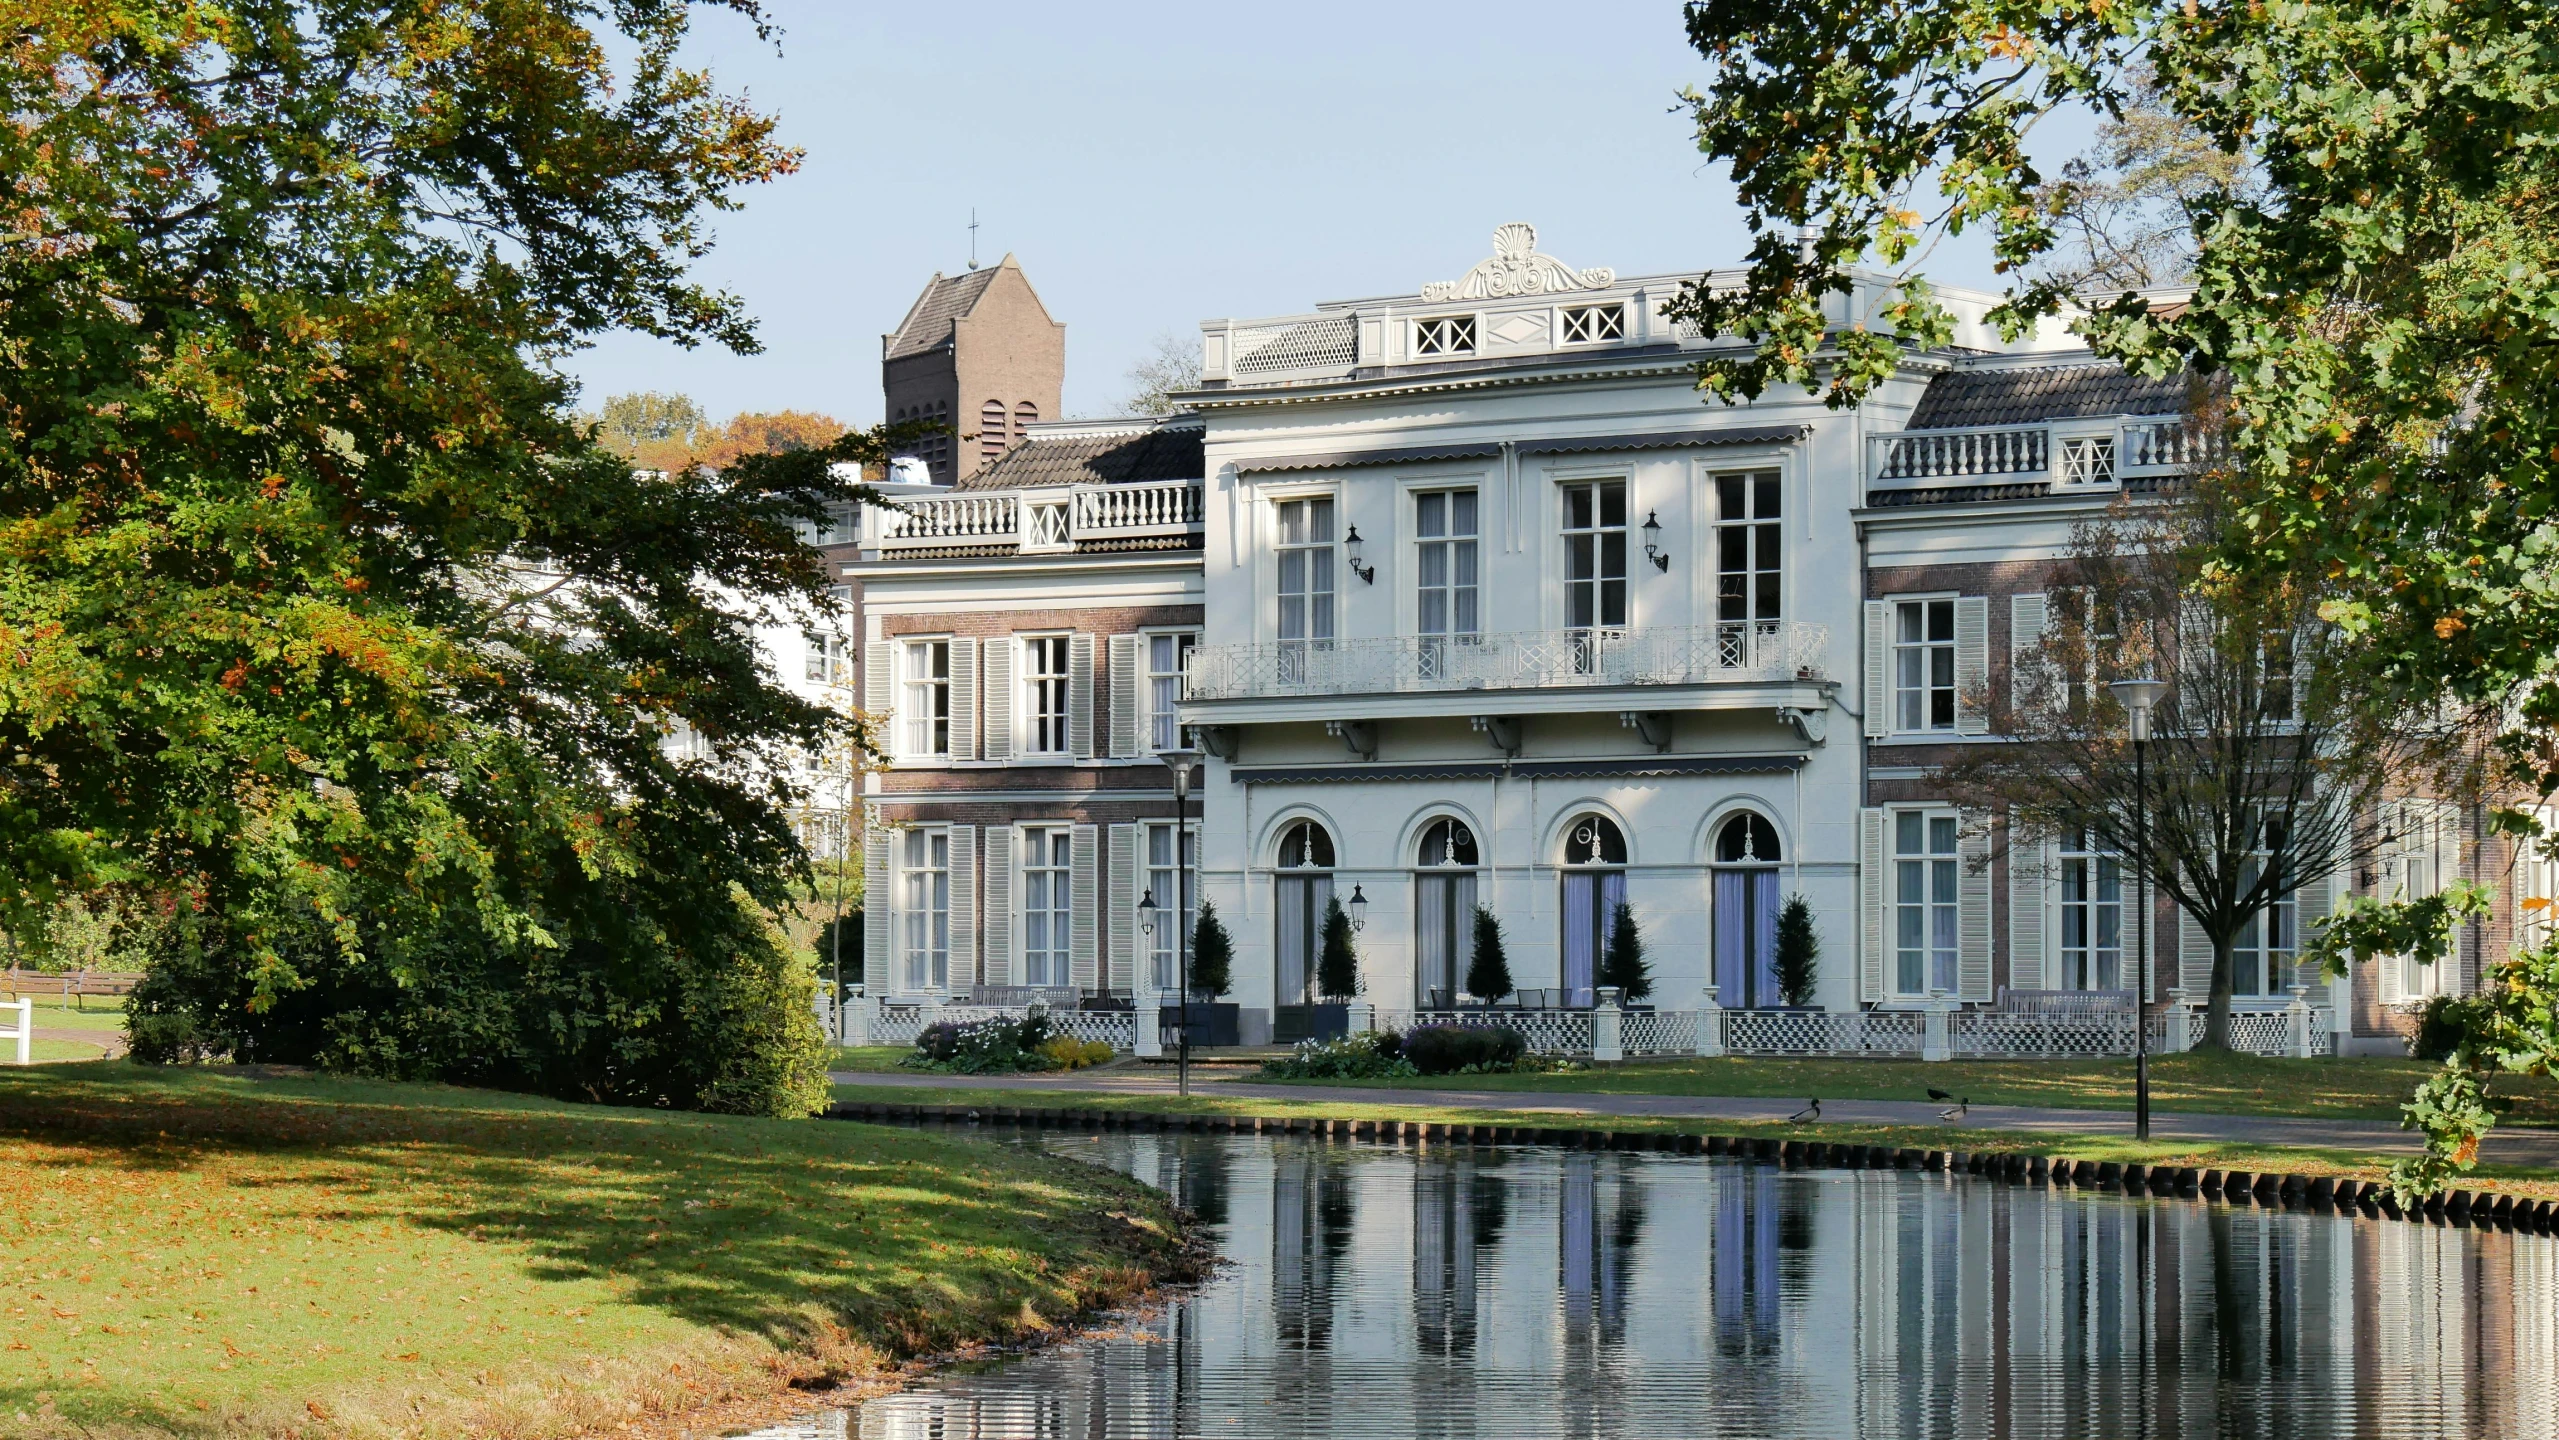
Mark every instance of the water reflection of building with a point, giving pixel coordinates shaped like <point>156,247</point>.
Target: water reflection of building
<point>1742,1248</point>
<point>1310,1231</point>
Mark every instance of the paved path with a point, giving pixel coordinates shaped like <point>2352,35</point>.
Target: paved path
<point>2537,1148</point>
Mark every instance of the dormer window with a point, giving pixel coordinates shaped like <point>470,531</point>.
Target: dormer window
<point>1446,335</point>
<point>1592,324</point>
<point>2088,460</point>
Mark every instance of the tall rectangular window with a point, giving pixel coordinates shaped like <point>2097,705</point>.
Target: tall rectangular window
<point>1924,900</point>
<point>1595,555</point>
<point>926,909</point>
<point>1305,558</point>
<point>2275,684</point>
<point>1047,867</point>
<point>1444,531</point>
<point>1165,655</point>
<point>2092,915</point>
<point>1044,693</point>
<point>2261,954</point>
<point>1164,881</point>
<point>826,657</point>
<point>1924,665</point>
<point>1747,578</point>
<point>928,698</point>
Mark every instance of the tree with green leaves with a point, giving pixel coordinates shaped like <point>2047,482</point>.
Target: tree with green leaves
<point>1624,965</point>
<point>1212,954</point>
<point>1337,955</point>
<point>1799,948</point>
<point>1488,970</point>
<point>328,624</point>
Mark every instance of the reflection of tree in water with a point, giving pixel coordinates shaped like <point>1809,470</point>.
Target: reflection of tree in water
<point>1311,1217</point>
<point>1201,1183</point>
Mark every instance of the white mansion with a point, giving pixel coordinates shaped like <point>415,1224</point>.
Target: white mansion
<point>1472,598</point>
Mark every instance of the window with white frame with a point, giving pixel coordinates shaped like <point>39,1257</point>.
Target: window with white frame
<point>1444,335</point>
<point>925,909</point>
<point>1444,564</point>
<point>1044,694</point>
<point>1595,555</point>
<point>927,710</point>
<point>1590,324</point>
<point>1925,890</point>
<point>1165,655</point>
<point>2262,953</point>
<point>2096,627</point>
<point>1304,556</point>
<point>1924,665</point>
<point>2088,460</point>
<point>827,657</point>
<point>2092,914</point>
<point>2413,861</point>
<point>1047,909</point>
<point>2275,679</point>
<point>1747,575</point>
<point>1164,881</point>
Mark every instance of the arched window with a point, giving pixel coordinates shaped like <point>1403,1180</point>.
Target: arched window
<point>990,428</point>
<point>1299,894</point>
<point>1594,886</point>
<point>1746,839</point>
<point>1025,415</point>
<point>1443,912</point>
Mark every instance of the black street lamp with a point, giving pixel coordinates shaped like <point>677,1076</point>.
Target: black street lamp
<point>2138,696</point>
<point>1183,763</point>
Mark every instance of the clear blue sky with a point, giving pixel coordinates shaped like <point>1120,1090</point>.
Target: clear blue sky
<point>1152,165</point>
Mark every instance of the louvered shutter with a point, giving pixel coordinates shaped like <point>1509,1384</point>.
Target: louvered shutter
<point>1128,680</point>
<point>1079,696</point>
<point>963,699</point>
<point>1125,936</point>
<point>1972,664</point>
<point>2195,631</point>
<point>879,895</point>
<point>2194,958</point>
<point>1972,913</point>
<point>2030,877</point>
<point>1879,668</point>
<point>2313,901</point>
<point>1002,870</point>
<point>963,909</point>
<point>1872,874</point>
<point>1081,959</point>
<point>2027,613</point>
<point>879,680</point>
<point>998,690</point>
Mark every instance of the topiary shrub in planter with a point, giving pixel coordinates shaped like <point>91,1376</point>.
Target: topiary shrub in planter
<point>1450,1049</point>
<point>1798,958</point>
<point>1488,973</point>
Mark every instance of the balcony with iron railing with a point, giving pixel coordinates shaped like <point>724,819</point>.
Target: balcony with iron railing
<point>2062,457</point>
<point>1049,520</point>
<point>1750,656</point>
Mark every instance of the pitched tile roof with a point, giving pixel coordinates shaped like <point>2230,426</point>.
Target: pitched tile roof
<point>2025,394</point>
<point>1122,459</point>
<point>946,298</point>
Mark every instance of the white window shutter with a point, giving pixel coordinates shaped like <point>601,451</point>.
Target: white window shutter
<point>2194,958</point>
<point>1001,966</point>
<point>2030,877</point>
<point>2027,612</point>
<point>963,907</point>
<point>1972,911</point>
<point>1125,935</point>
<point>2313,903</point>
<point>1879,668</point>
<point>963,699</point>
<point>998,689</point>
<point>1872,875</point>
<point>1079,696</point>
<point>1972,664</point>
<point>1081,935</point>
<point>1127,683</point>
<point>879,682</point>
<point>879,891</point>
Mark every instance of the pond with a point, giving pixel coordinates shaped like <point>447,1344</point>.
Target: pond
<point>1378,1289</point>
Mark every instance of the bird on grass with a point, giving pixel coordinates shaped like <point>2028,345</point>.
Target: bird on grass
<point>1940,1096</point>
<point>1956,1111</point>
<point>1812,1111</point>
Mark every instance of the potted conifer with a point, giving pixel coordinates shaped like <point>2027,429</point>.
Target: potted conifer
<point>1624,966</point>
<point>1798,958</point>
<point>1488,971</point>
<point>1336,975</point>
<point>1213,1021</point>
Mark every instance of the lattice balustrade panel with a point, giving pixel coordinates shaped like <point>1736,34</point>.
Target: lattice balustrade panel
<point>897,1024</point>
<point>2053,1035</point>
<point>1660,1032</point>
<point>1548,1032</point>
<point>1115,1028</point>
<point>1821,1032</point>
<point>2261,1032</point>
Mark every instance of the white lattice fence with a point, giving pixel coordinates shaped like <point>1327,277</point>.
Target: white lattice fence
<point>1659,1032</point>
<point>1821,1032</point>
<point>900,1024</point>
<point>1996,1035</point>
<point>1548,1032</point>
<point>1115,1028</point>
<point>2259,1032</point>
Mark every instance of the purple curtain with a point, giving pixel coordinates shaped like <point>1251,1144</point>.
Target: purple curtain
<point>1732,934</point>
<point>1581,935</point>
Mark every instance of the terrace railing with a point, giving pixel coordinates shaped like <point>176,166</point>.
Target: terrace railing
<point>1037,521</point>
<point>2068,455</point>
<point>1516,660</point>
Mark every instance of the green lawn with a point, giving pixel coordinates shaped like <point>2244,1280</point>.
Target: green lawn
<point>106,1016</point>
<point>2221,1084</point>
<point>2099,1146</point>
<point>873,1058</point>
<point>197,1251</point>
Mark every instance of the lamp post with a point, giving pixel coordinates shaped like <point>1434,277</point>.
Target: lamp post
<point>1183,763</point>
<point>2139,695</point>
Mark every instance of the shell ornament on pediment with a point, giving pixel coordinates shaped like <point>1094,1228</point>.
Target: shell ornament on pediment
<point>1517,269</point>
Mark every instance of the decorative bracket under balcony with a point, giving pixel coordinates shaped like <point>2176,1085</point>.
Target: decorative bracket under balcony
<point>1357,736</point>
<point>1653,725</point>
<point>1505,731</point>
<point>1812,725</point>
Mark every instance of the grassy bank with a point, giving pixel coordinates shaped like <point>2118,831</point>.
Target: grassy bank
<point>2211,1084</point>
<point>201,1252</point>
<point>2099,1146</point>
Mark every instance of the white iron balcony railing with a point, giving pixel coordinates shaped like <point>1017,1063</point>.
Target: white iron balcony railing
<point>1519,660</point>
<point>2070,455</point>
<point>1039,521</point>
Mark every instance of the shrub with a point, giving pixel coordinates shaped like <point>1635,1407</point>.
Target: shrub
<point>1368,1056</point>
<point>1065,1052</point>
<point>979,1047</point>
<point>1337,965</point>
<point>1212,954</point>
<point>1488,973</point>
<point>2441,1025</point>
<point>1449,1049</point>
<point>1624,965</point>
<point>1798,958</point>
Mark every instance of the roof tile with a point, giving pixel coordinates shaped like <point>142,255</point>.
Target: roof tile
<point>2026,394</point>
<point>1163,454</point>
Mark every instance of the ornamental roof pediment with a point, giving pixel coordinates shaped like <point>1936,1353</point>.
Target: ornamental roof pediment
<point>1516,268</point>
